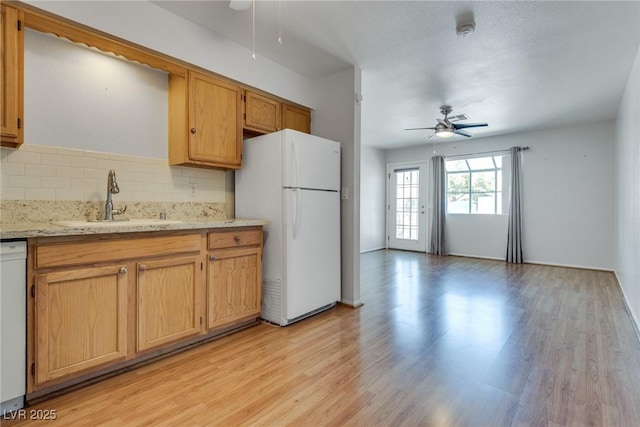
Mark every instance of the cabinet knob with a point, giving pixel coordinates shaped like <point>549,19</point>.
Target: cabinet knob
<point>193,130</point>
<point>236,239</point>
<point>123,270</point>
<point>142,267</point>
<point>212,257</point>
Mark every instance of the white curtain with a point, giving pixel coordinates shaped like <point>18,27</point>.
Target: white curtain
<point>439,206</point>
<point>514,234</point>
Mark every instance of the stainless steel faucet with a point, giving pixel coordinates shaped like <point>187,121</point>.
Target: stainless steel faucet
<point>112,188</point>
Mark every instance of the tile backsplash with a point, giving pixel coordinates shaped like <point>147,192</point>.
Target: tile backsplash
<point>42,173</point>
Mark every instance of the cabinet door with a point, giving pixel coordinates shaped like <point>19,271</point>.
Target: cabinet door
<point>80,320</point>
<point>168,301</point>
<point>11,77</point>
<point>261,114</point>
<point>215,125</point>
<point>234,285</point>
<point>296,118</point>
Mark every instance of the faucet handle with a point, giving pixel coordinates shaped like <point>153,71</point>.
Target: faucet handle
<point>119,211</point>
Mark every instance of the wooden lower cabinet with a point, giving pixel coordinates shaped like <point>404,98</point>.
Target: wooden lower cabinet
<point>168,307</point>
<point>231,286</point>
<point>80,320</point>
<point>98,304</point>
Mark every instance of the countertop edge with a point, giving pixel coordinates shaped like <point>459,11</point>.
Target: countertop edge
<point>28,230</point>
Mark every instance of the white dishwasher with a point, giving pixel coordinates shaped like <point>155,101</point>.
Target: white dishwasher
<point>13,318</point>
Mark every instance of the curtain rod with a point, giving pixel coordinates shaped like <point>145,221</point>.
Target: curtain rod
<point>484,152</point>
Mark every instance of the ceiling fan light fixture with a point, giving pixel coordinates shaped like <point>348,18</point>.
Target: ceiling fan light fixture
<point>444,133</point>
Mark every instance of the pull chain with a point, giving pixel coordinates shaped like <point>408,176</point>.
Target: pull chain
<point>280,22</point>
<point>253,27</point>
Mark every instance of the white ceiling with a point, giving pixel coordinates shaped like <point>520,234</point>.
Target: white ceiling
<point>529,65</point>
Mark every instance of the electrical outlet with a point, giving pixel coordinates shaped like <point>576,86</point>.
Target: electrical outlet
<point>194,189</point>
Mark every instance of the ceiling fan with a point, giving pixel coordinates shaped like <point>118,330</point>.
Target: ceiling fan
<point>446,129</point>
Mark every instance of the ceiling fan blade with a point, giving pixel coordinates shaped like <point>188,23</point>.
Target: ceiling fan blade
<point>443,123</point>
<point>463,133</point>
<point>420,128</point>
<point>468,125</point>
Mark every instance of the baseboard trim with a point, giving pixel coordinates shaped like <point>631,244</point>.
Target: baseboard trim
<point>373,250</point>
<point>351,304</point>
<point>527,261</point>
<point>579,267</point>
<point>477,256</point>
<point>627,306</point>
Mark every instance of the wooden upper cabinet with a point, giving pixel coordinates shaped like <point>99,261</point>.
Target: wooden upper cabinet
<point>261,114</point>
<point>11,77</point>
<point>205,124</point>
<point>296,118</point>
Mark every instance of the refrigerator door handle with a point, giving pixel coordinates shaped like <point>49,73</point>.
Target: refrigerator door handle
<point>295,160</point>
<point>296,213</point>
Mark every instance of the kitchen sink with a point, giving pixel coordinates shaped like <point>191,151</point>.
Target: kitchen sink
<point>115,223</point>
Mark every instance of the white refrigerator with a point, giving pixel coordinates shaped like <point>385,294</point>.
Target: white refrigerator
<point>292,179</point>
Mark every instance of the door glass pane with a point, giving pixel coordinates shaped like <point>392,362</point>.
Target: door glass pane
<point>407,190</point>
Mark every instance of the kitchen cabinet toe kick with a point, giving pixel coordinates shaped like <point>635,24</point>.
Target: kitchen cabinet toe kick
<point>97,307</point>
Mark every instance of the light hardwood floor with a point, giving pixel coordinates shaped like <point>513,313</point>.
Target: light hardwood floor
<point>442,341</point>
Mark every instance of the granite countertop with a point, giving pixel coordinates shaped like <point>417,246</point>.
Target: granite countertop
<point>50,229</point>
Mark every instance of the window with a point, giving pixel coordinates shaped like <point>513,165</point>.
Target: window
<point>474,185</point>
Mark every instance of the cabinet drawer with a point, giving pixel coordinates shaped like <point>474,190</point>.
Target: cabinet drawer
<point>76,253</point>
<point>233,238</point>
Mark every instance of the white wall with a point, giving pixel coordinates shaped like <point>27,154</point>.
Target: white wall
<point>151,26</point>
<point>568,196</point>
<point>372,199</point>
<point>483,236</point>
<point>337,117</point>
<point>627,180</point>
<point>80,98</point>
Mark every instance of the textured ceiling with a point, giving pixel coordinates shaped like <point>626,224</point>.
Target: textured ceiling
<point>529,65</point>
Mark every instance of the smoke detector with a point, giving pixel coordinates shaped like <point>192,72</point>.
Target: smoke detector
<point>240,5</point>
<point>464,29</point>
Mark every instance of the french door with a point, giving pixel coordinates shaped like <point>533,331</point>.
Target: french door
<point>406,206</point>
